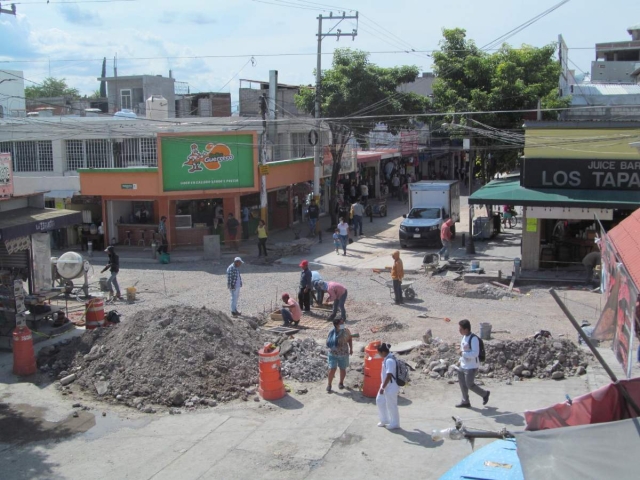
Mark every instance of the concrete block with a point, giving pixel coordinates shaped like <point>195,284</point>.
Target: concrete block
<point>211,245</point>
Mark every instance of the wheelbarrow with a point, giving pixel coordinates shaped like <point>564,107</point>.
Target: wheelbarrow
<point>407,288</point>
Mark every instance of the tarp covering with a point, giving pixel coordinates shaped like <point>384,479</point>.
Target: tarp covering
<point>603,451</point>
<point>510,192</point>
<point>603,405</point>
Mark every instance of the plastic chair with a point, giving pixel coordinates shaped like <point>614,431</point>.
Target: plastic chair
<point>128,239</point>
<point>142,239</point>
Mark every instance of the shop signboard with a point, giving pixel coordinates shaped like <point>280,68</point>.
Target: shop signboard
<point>408,143</point>
<point>581,174</point>
<point>347,162</point>
<point>208,162</point>
<point>6,175</point>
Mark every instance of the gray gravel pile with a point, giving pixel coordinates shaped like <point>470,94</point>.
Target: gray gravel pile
<point>178,356</point>
<point>508,360</point>
<point>303,360</point>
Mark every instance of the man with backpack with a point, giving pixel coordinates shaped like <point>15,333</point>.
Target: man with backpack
<point>471,354</point>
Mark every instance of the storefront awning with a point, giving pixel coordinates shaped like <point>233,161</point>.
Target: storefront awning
<point>365,157</point>
<point>60,194</point>
<point>510,192</point>
<point>26,221</point>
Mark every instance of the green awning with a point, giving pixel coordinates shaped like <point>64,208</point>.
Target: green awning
<point>510,192</point>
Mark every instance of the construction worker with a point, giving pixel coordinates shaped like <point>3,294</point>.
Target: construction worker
<point>306,285</point>
<point>114,267</point>
<point>397,274</point>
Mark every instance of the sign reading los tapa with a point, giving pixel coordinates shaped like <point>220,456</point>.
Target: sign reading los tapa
<point>582,174</point>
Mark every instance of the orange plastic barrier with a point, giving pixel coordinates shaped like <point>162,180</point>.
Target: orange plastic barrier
<point>24,359</point>
<point>271,386</point>
<point>372,369</point>
<point>95,313</point>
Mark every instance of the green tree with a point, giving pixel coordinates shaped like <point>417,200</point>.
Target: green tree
<point>354,88</point>
<point>51,87</point>
<point>472,80</point>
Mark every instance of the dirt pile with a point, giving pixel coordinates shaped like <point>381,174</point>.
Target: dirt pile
<point>507,360</point>
<point>303,360</point>
<point>181,356</point>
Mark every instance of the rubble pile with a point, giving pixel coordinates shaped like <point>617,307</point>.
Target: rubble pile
<point>484,291</point>
<point>180,356</point>
<point>285,249</point>
<point>303,360</point>
<point>507,360</point>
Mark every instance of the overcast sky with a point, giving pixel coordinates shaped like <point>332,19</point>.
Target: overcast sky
<point>42,35</point>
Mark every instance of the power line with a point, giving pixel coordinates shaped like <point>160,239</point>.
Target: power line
<point>54,2</point>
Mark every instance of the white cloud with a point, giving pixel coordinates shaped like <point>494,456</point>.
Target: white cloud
<point>79,16</point>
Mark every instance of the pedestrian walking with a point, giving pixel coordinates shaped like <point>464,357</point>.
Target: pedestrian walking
<point>262,238</point>
<point>290,311</point>
<point>314,213</point>
<point>445,237</point>
<point>245,222</point>
<point>232,229</point>
<point>218,216</point>
<point>397,274</point>
<point>364,192</point>
<point>358,213</point>
<point>469,363</point>
<point>304,292</point>
<point>340,346</point>
<point>405,192</point>
<point>234,284</point>
<point>387,398</point>
<point>336,241</point>
<point>338,294</point>
<point>114,267</point>
<point>343,230</point>
<point>395,184</point>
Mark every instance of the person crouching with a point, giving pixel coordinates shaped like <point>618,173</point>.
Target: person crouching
<point>290,311</point>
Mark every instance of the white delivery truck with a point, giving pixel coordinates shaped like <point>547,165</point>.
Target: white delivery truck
<point>430,204</point>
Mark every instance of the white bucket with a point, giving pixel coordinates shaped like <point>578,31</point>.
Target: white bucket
<point>475,265</point>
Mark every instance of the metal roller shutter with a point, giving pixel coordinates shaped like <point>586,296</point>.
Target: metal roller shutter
<point>15,260</point>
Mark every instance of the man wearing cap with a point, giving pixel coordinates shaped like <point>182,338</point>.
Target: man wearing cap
<point>304,293</point>
<point>338,294</point>
<point>318,294</point>
<point>290,311</point>
<point>234,283</point>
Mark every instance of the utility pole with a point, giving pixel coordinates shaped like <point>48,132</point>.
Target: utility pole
<point>317,149</point>
<point>471,248</point>
<point>7,11</point>
<point>263,159</point>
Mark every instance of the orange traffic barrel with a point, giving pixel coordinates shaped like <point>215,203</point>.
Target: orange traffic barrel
<point>94,313</point>
<point>24,358</point>
<point>271,386</point>
<point>372,370</point>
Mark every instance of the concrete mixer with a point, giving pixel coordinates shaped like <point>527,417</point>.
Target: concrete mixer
<point>68,267</point>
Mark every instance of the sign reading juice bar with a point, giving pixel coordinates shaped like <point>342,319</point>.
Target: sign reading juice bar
<point>208,162</point>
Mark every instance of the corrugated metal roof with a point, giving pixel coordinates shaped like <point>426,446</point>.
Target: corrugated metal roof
<point>626,238</point>
<point>594,89</point>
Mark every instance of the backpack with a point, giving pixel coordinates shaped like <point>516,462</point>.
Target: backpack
<point>112,316</point>
<point>332,338</point>
<point>482,355</point>
<point>402,372</point>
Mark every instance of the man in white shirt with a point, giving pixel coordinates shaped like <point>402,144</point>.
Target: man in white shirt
<point>469,363</point>
<point>358,213</point>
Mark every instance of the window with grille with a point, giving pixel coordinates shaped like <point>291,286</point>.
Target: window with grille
<point>30,156</point>
<point>98,153</point>
<point>129,152</point>
<point>148,152</point>
<point>75,154</point>
<point>300,147</point>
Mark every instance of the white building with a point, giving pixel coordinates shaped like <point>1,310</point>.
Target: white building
<point>12,101</point>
